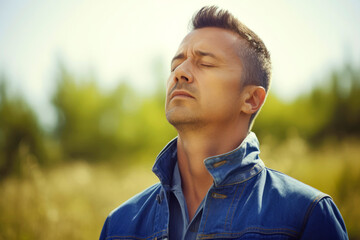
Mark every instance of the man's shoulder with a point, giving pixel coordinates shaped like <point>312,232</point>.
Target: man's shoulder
<point>310,208</point>
<point>138,201</point>
<point>289,187</point>
<point>135,217</point>
<point>288,198</point>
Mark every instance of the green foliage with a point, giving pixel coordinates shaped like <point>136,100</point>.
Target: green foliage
<point>120,123</point>
<point>80,108</point>
<point>73,200</point>
<point>20,133</point>
<point>331,110</point>
<point>130,127</point>
<point>344,95</point>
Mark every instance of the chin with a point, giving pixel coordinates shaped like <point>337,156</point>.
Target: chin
<point>180,118</point>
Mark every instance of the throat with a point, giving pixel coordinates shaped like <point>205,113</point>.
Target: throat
<point>193,197</point>
<point>196,182</point>
<point>192,150</point>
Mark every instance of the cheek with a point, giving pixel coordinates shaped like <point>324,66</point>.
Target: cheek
<point>170,83</point>
<point>223,87</point>
<point>223,94</point>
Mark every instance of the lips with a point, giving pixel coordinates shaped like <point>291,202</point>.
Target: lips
<point>180,93</point>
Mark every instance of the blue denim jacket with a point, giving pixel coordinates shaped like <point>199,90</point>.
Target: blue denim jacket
<point>247,201</point>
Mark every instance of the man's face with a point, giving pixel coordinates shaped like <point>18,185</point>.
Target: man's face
<point>204,86</point>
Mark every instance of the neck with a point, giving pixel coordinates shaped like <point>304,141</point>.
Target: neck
<point>193,148</point>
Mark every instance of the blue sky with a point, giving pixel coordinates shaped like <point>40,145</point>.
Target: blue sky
<point>122,39</point>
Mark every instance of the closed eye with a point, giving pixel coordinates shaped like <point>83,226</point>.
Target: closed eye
<point>207,65</point>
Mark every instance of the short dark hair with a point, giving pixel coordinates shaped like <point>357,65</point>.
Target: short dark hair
<point>256,63</point>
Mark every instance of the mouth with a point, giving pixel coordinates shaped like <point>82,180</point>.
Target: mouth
<point>180,94</point>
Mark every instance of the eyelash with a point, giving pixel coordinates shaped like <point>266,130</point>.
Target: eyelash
<point>202,64</point>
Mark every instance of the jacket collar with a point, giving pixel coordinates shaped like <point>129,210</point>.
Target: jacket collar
<point>233,167</point>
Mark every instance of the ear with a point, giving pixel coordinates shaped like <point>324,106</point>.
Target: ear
<point>254,97</point>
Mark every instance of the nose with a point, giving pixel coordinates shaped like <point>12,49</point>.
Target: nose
<point>183,72</point>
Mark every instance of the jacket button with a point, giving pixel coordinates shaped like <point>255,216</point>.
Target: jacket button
<point>158,198</point>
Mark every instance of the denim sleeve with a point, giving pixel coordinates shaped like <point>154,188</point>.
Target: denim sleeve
<point>325,222</point>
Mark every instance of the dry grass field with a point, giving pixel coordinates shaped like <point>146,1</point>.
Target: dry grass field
<point>71,201</point>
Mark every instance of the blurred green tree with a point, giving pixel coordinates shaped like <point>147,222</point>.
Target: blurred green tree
<point>330,110</point>
<point>96,125</point>
<point>81,127</point>
<point>20,133</point>
<point>344,99</point>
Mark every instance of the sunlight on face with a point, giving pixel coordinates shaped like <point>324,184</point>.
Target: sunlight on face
<point>204,86</point>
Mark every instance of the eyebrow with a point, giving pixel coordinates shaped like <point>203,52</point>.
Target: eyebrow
<point>197,52</point>
<point>179,56</point>
<point>205,54</point>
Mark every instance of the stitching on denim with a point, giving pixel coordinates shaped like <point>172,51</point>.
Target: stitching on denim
<point>226,154</point>
<point>230,206</point>
<point>219,164</point>
<point>260,170</point>
<point>133,237</point>
<point>232,218</point>
<point>218,195</point>
<point>207,214</point>
<point>311,208</point>
<point>284,231</point>
<point>241,147</point>
<point>249,229</point>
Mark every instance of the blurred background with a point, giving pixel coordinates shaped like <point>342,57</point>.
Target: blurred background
<point>82,104</point>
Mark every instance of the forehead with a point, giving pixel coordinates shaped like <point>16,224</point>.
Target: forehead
<point>219,41</point>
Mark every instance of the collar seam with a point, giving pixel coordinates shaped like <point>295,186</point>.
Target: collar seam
<point>239,182</point>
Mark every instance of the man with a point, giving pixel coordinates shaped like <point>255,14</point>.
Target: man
<point>213,185</point>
